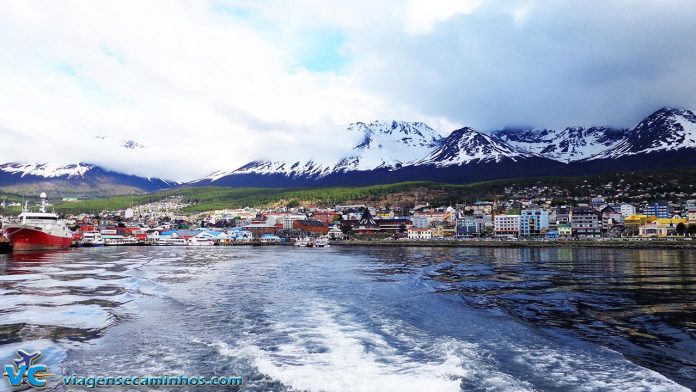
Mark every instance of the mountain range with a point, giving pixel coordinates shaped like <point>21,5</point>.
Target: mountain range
<point>395,151</point>
<point>76,179</point>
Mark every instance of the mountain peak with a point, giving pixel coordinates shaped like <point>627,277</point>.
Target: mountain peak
<point>667,129</point>
<point>466,145</point>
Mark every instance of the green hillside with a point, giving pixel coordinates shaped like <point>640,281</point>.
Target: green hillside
<point>655,185</point>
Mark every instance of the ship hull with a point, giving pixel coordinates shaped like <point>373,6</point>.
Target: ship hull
<point>23,238</point>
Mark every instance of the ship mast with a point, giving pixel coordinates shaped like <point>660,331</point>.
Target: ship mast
<point>43,202</point>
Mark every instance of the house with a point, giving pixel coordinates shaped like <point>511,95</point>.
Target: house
<point>586,222</point>
<point>534,223</point>
<point>506,225</point>
<point>238,234</point>
<point>419,233</point>
<point>269,239</point>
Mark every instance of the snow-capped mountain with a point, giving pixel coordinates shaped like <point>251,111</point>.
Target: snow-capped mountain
<point>82,179</point>
<point>668,129</point>
<point>380,145</point>
<point>46,170</point>
<point>399,151</point>
<point>566,145</point>
<point>467,145</point>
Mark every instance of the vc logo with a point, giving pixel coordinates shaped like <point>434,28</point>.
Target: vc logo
<point>24,372</point>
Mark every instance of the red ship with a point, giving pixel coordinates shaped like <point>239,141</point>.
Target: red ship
<point>38,230</point>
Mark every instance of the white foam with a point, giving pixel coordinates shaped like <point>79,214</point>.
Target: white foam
<point>324,350</point>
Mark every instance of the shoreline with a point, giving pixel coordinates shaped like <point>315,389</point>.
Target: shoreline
<point>621,244</point>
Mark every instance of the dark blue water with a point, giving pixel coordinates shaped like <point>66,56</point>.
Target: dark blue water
<point>352,319</point>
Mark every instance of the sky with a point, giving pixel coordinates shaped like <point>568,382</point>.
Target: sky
<point>210,85</point>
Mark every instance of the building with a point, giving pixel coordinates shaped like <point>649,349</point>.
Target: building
<point>419,233</point>
<point>657,230</point>
<point>534,223</point>
<point>659,209</point>
<point>565,231</point>
<point>366,224</point>
<point>627,210</point>
<point>311,226</point>
<point>444,231</point>
<point>506,225</point>
<point>470,226</point>
<point>563,215</point>
<point>611,217</point>
<point>586,222</point>
<point>421,221</point>
<point>692,216</point>
<point>286,221</point>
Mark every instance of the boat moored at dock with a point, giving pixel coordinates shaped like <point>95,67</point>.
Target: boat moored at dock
<point>38,230</point>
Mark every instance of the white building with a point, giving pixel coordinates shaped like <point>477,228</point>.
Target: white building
<point>416,233</point>
<point>506,225</point>
<point>627,210</point>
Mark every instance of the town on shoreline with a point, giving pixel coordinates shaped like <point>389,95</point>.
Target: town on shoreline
<point>491,223</point>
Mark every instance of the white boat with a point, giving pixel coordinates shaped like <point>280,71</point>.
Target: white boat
<point>304,242</point>
<point>119,240</point>
<point>92,238</point>
<point>169,241</point>
<point>321,242</point>
<point>307,242</point>
<point>198,241</point>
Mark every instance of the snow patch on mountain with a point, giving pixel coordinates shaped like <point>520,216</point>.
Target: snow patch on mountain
<point>467,145</point>
<point>566,145</point>
<point>380,145</point>
<point>668,129</point>
<point>47,170</point>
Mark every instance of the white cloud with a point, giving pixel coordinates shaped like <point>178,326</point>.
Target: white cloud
<point>210,85</point>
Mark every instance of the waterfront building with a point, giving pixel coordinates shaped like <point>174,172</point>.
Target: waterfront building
<point>470,226</point>
<point>659,209</point>
<point>506,225</point>
<point>533,223</point>
<point>586,222</point>
<point>419,233</point>
<point>657,230</point>
<point>565,231</point>
<point>311,227</point>
<point>366,224</point>
<point>335,233</point>
<point>611,217</point>
<point>443,231</point>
